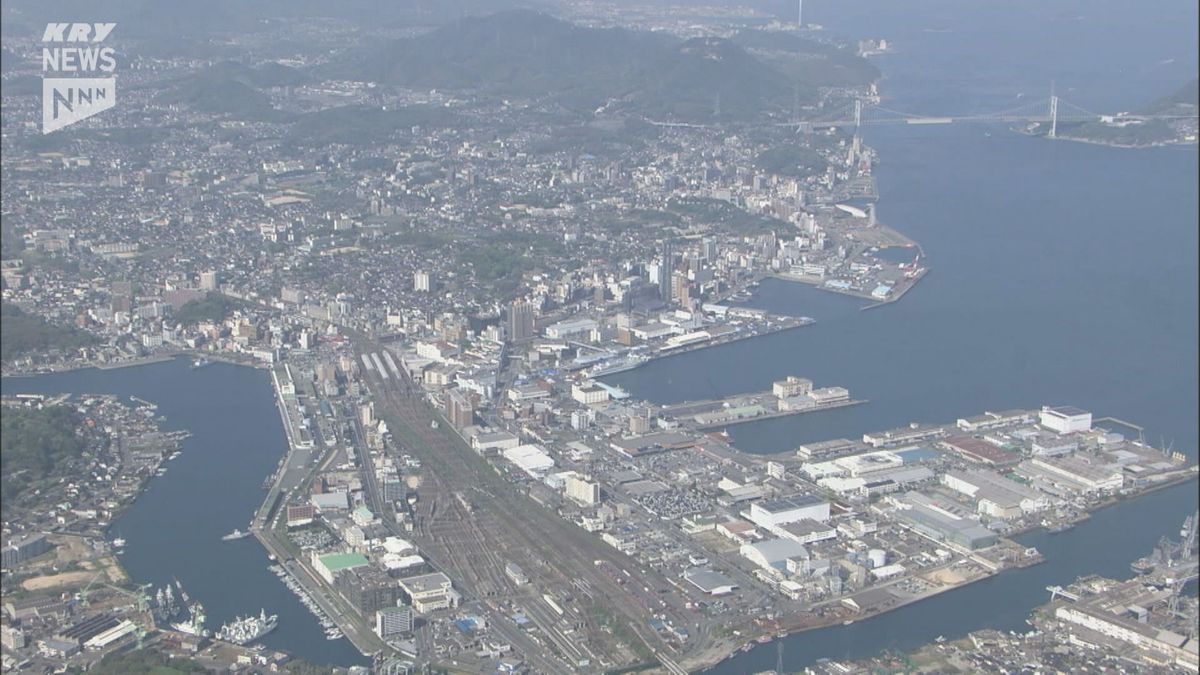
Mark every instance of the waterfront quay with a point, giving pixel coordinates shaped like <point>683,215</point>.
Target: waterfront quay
<point>712,549</point>
<point>792,396</point>
<point>296,471</point>
<point>1147,622</point>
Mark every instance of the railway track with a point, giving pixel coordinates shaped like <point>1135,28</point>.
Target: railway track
<point>517,525</point>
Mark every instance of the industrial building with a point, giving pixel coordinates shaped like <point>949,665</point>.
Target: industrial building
<point>772,553</point>
<point>531,459</point>
<point>995,495</point>
<point>824,450</point>
<point>980,451</point>
<point>806,531</point>
<point>329,564</point>
<point>1065,419</point>
<point>335,501</point>
<point>430,592</point>
<point>708,581</point>
<point>589,393</point>
<point>112,635</point>
<point>994,420</point>
<point>1073,474</point>
<point>25,548</point>
<point>775,512</point>
<point>938,521</point>
<point>494,440</point>
<point>792,386</point>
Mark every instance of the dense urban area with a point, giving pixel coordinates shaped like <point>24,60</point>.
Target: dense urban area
<point>437,245</point>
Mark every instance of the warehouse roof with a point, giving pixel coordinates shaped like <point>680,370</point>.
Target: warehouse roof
<point>340,561</point>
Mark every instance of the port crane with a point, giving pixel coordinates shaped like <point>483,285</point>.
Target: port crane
<point>140,596</point>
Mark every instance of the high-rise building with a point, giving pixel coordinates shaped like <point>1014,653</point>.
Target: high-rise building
<point>520,321</point>
<point>208,281</point>
<point>680,288</point>
<point>459,409</point>
<point>665,269</point>
<point>582,490</point>
<point>422,282</point>
<point>391,621</point>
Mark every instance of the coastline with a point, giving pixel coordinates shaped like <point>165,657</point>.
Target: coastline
<point>814,623</point>
<point>1109,144</point>
<point>73,366</point>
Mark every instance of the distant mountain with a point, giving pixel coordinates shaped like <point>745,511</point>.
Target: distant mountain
<point>363,125</point>
<point>234,89</point>
<point>710,78</point>
<point>174,19</point>
<point>515,53</point>
<point>808,61</point>
<point>1182,101</point>
<point>529,54</point>
<point>221,90</point>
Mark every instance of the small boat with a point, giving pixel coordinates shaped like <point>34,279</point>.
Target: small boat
<point>200,363</point>
<point>118,543</point>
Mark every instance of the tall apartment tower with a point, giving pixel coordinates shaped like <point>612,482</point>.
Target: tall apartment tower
<point>421,281</point>
<point>665,268</point>
<point>520,321</point>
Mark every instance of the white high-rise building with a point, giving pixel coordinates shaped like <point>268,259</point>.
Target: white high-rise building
<point>582,490</point>
<point>421,281</point>
<point>208,281</point>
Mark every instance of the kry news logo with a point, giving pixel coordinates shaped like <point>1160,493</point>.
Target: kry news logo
<point>67,100</point>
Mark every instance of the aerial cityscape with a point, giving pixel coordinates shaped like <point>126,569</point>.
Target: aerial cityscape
<point>558,337</point>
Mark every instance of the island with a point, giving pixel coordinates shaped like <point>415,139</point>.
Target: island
<point>1171,120</point>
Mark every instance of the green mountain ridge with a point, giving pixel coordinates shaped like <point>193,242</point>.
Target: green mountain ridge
<point>522,53</point>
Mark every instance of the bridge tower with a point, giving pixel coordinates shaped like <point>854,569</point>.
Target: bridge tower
<point>1053,116</point>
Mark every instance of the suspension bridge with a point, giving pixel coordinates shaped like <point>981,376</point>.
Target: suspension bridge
<point>862,113</point>
<point>1053,111</point>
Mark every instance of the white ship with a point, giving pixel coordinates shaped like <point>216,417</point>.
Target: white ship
<point>236,534</point>
<point>616,366</point>
<point>243,630</point>
<point>195,624</point>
